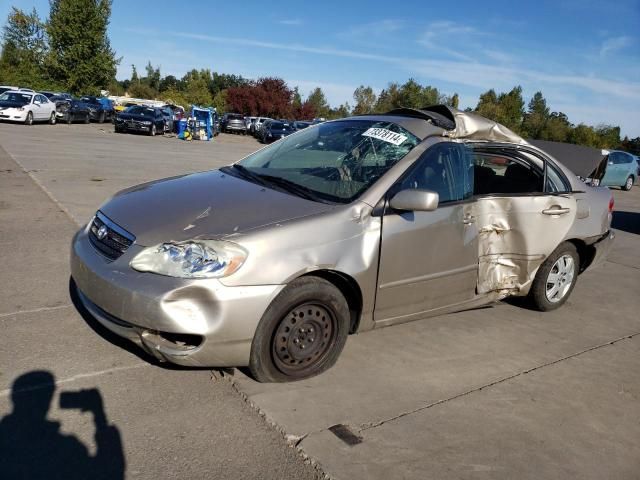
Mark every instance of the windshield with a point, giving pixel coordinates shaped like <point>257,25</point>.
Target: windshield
<point>19,98</point>
<point>336,161</point>
<point>138,110</point>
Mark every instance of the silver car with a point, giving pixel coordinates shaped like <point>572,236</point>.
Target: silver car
<point>342,227</point>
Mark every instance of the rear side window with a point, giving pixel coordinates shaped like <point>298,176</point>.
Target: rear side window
<point>445,168</point>
<point>497,173</point>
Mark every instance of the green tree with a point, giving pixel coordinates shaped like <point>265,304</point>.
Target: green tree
<point>557,128</point>
<point>80,54</point>
<point>488,105</point>
<point>23,50</point>
<point>319,102</point>
<point>536,117</point>
<point>134,74</point>
<point>454,101</point>
<point>583,134</point>
<point>609,136</point>
<point>220,101</point>
<point>388,99</point>
<point>365,100</point>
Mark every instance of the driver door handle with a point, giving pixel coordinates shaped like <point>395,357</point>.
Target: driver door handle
<point>556,210</point>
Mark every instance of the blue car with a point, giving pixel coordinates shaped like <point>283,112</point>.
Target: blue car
<point>621,170</point>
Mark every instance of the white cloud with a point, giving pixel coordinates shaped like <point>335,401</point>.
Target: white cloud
<point>613,44</point>
<point>293,22</point>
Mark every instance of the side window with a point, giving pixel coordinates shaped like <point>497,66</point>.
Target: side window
<point>497,173</point>
<point>555,181</point>
<point>446,169</point>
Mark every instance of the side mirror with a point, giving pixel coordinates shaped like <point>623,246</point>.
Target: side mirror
<point>415,200</point>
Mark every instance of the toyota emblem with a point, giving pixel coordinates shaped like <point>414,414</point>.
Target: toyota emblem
<point>102,232</point>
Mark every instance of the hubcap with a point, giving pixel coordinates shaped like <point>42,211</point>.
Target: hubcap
<point>560,278</point>
<point>303,338</point>
<point>629,183</point>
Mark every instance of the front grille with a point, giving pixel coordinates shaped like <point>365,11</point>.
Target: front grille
<point>116,240</point>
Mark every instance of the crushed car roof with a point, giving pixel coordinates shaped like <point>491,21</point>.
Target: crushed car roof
<point>463,125</point>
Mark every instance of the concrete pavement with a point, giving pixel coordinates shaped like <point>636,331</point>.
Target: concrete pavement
<point>498,392</point>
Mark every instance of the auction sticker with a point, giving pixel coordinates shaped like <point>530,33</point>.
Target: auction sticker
<point>385,135</point>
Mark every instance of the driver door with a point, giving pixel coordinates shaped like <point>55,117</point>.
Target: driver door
<point>429,260</point>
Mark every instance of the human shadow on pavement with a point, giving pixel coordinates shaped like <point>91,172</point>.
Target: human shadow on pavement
<point>626,221</point>
<point>33,447</point>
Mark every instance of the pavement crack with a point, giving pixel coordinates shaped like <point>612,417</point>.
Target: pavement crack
<point>34,310</point>
<point>367,426</point>
<point>623,264</point>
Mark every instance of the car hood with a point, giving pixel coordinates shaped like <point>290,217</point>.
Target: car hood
<point>202,205</point>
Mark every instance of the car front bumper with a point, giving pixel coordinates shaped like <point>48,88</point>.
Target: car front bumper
<point>182,321</point>
<point>13,115</point>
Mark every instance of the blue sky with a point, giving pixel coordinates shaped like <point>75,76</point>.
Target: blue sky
<point>584,55</point>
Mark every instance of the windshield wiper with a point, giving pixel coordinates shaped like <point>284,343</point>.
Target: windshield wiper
<point>291,187</point>
<point>246,173</point>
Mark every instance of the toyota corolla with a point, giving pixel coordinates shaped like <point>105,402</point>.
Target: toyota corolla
<point>342,227</point>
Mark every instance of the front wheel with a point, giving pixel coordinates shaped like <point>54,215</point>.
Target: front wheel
<point>101,117</point>
<point>87,118</point>
<point>29,119</point>
<point>153,132</point>
<point>302,332</point>
<point>52,118</point>
<point>628,184</point>
<point>556,278</point>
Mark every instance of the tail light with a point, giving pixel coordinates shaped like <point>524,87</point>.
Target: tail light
<point>611,204</point>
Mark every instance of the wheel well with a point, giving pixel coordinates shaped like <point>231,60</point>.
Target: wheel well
<point>349,288</point>
<point>586,253</point>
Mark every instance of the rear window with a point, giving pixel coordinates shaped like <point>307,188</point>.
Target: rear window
<point>236,117</point>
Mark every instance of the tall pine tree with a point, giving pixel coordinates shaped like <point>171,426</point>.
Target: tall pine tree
<point>80,55</point>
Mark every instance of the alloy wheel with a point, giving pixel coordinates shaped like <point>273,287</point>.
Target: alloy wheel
<point>560,278</point>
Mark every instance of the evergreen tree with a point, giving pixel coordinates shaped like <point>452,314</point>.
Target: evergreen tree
<point>80,54</point>
<point>365,100</point>
<point>536,116</point>
<point>23,49</point>
<point>319,102</point>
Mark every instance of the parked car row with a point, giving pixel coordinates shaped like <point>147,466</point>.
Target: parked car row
<point>28,106</point>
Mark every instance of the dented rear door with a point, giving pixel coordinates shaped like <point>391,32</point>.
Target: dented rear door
<point>516,234</point>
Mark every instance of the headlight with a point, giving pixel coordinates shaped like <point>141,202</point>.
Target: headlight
<point>118,119</point>
<point>146,122</point>
<point>192,259</point>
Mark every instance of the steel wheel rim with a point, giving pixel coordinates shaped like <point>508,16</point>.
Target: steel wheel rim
<point>629,183</point>
<point>29,118</point>
<point>53,119</point>
<point>560,278</point>
<point>304,338</point>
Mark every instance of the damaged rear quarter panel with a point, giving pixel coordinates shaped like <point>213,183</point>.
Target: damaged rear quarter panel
<point>515,237</point>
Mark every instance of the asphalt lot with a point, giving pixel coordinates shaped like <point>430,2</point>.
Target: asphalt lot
<point>498,392</point>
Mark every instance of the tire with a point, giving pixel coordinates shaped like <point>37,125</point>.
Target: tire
<point>628,185</point>
<point>310,313</point>
<point>52,118</point>
<point>101,117</point>
<point>556,278</point>
<point>29,119</point>
<point>87,118</point>
<point>68,120</point>
<point>152,132</point>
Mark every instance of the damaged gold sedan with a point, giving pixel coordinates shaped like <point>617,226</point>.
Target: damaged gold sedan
<point>342,227</point>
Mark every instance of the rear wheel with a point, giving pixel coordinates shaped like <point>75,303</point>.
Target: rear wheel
<point>556,278</point>
<point>302,332</point>
<point>29,119</point>
<point>628,184</point>
<point>101,118</point>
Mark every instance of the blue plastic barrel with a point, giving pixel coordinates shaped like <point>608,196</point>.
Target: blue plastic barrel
<point>182,126</point>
